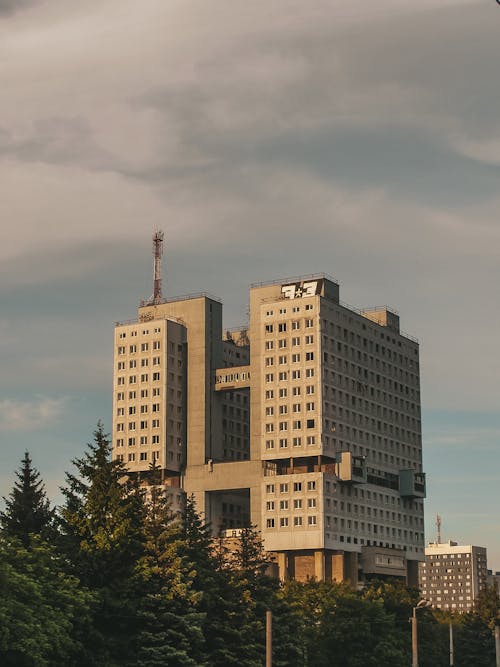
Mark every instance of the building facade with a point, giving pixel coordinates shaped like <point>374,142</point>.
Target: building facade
<point>452,576</point>
<point>306,423</point>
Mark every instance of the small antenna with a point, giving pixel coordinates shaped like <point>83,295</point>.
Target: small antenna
<point>157,254</point>
<point>438,525</point>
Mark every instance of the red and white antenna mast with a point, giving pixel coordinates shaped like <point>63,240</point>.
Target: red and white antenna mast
<point>157,254</point>
<point>438,525</point>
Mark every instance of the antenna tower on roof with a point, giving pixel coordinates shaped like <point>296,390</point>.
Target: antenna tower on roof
<point>157,254</point>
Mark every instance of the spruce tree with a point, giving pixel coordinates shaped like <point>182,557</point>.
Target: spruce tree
<point>27,509</point>
<point>102,539</point>
<point>219,599</point>
<point>169,620</point>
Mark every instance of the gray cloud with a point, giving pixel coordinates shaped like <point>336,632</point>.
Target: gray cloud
<point>8,7</point>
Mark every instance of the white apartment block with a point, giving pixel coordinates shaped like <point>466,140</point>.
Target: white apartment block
<point>452,575</point>
<point>306,423</point>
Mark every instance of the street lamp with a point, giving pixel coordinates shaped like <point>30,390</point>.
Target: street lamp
<point>413,621</point>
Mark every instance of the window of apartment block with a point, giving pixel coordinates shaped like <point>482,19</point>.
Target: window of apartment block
<point>283,488</point>
<point>269,328</point>
<point>311,520</point>
<point>282,327</point>
<point>282,359</point>
<point>270,505</point>
<point>156,345</point>
<point>284,522</point>
<point>297,503</point>
<point>296,391</point>
<point>310,423</point>
<point>310,389</point>
<point>297,441</point>
<point>296,375</point>
<point>309,339</point>
<point>297,424</point>
<point>311,485</point>
<point>295,325</point>
<point>311,440</point>
<point>269,444</point>
<point>269,344</point>
<point>283,392</point>
<point>269,377</point>
<point>309,406</point>
<point>283,504</point>
<point>296,407</point>
<point>269,488</point>
<point>309,356</point>
<point>295,341</point>
<point>282,342</point>
<point>309,324</point>
<point>269,393</point>
<point>295,358</point>
<point>311,502</point>
<point>132,349</point>
<point>283,443</point>
<point>309,372</point>
<point>283,375</point>
<point>297,486</point>
<point>297,520</point>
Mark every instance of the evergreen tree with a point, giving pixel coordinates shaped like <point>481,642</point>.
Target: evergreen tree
<point>44,613</point>
<point>102,538</point>
<point>219,601</point>
<point>259,592</point>
<point>171,625</point>
<point>27,509</point>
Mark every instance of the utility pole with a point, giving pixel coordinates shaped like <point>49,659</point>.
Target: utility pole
<point>414,636</point>
<point>414,640</point>
<point>452,657</point>
<point>269,639</point>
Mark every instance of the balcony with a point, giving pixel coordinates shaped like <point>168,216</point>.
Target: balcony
<point>412,484</point>
<point>350,469</point>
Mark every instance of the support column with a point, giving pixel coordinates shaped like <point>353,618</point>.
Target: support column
<point>283,566</point>
<point>351,568</point>
<point>319,565</point>
<point>338,571</point>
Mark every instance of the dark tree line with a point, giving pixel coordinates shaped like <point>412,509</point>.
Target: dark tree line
<point>113,579</point>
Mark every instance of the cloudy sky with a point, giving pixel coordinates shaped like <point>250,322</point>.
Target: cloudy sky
<point>267,139</point>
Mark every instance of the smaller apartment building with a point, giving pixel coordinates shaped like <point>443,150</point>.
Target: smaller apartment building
<point>452,576</point>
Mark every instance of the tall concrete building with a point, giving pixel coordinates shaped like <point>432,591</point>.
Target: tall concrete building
<point>305,423</point>
<point>452,575</point>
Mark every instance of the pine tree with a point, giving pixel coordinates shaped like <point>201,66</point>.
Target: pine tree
<point>102,538</point>
<point>27,509</point>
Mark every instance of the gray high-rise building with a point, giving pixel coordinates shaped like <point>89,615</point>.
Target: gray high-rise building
<point>305,423</point>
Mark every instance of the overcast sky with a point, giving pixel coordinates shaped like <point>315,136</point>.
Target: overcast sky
<point>267,139</point>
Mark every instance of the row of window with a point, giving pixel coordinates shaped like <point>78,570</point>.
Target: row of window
<point>295,309</point>
<point>292,375</point>
<point>295,341</point>
<point>144,347</point>
<point>285,487</point>
<point>296,407</point>
<point>297,425</point>
<point>283,359</point>
<point>281,327</point>
<point>285,504</point>
<point>143,440</point>
<point>284,521</point>
<point>145,332</point>
<point>296,442</point>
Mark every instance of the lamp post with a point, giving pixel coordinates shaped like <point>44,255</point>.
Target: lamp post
<point>414,640</point>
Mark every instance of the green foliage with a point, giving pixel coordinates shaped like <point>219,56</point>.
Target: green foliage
<point>27,509</point>
<point>43,612</point>
<point>101,526</point>
<point>169,620</point>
